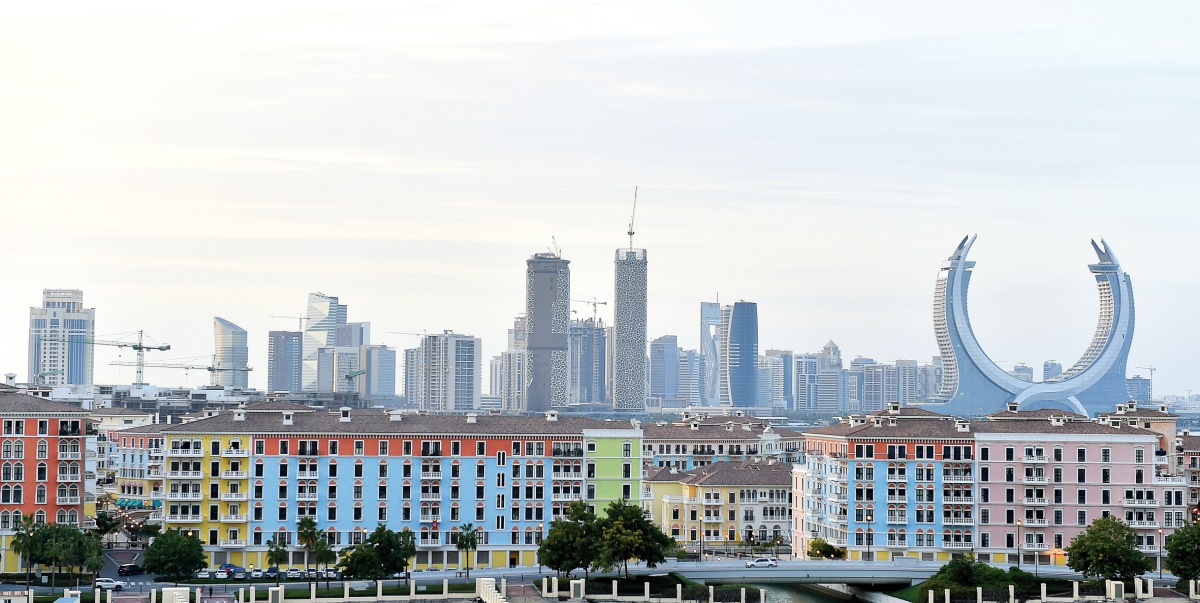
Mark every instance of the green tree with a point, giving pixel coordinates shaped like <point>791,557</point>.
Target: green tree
<point>175,556</point>
<point>277,554</point>
<point>56,549</point>
<point>323,555</point>
<point>468,541</point>
<point>25,542</point>
<point>819,548</point>
<point>1107,549</point>
<point>627,533</point>
<point>1183,550</point>
<point>406,548</point>
<point>106,524</point>
<point>362,561</point>
<point>92,553</point>
<point>391,549</point>
<point>308,536</point>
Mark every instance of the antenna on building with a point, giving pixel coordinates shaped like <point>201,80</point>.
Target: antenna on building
<point>554,248</point>
<point>632,215</point>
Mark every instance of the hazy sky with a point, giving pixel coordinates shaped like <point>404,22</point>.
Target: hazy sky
<point>179,161</point>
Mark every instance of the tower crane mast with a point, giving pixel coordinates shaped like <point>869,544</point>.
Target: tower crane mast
<point>595,306</point>
<point>140,347</point>
<point>632,215</point>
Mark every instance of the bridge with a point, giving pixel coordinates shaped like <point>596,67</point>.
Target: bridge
<point>809,572</point>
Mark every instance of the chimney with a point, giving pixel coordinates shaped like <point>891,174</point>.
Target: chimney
<point>1013,406</point>
<point>287,418</point>
<point>962,425</point>
<point>239,414</point>
<point>893,408</point>
<point>551,415</point>
<point>345,414</point>
<point>1163,407</point>
<point>694,426</point>
<point>472,417</point>
<point>10,379</point>
<point>878,421</point>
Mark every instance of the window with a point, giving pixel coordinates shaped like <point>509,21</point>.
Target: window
<point>383,447</point>
<point>1082,520</point>
<point>1058,455</point>
<point>1105,475</point>
<point>383,470</point>
<point>333,447</point>
<point>1082,475</point>
<point>626,450</point>
<point>1139,455</point>
<point>455,448</point>
<point>358,448</point>
<point>259,469</point>
<point>332,469</point>
<point>1081,455</point>
<point>480,448</point>
<point>1106,455</point>
<point>283,447</point>
<point>983,454</point>
<point>283,470</point>
<point>1009,454</point>
<point>358,470</point>
<point>283,513</point>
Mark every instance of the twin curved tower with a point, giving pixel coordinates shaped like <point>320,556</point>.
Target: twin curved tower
<point>974,385</point>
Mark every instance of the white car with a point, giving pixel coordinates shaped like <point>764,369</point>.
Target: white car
<point>763,562</point>
<point>109,584</point>
<point>222,575</point>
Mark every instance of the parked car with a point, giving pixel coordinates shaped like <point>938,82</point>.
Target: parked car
<point>203,574</point>
<point>239,574</point>
<point>256,574</point>
<point>229,567</point>
<point>109,584</point>
<point>271,573</point>
<point>332,574</point>
<point>129,569</point>
<point>294,574</point>
<point>763,562</point>
<point>222,575</point>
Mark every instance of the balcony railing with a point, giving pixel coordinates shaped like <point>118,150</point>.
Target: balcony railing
<point>431,496</point>
<point>234,496</point>
<point>69,477</point>
<point>72,455</point>
<point>1175,480</point>
<point>958,500</point>
<point>306,496</point>
<point>1035,546</point>
<point>957,521</point>
<point>429,542</point>
<point>66,500</point>
<point>1148,548</point>
<point>431,475</point>
<point>235,474</point>
<point>233,519</point>
<point>897,518</point>
<point>712,519</point>
<point>1034,459</point>
<point>185,474</point>
<point>174,495</point>
<point>236,453</point>
<point>1035,479</point>
<point>1143,523</point>
<point>568,475</point>
<point>185,518</point>
<point>952,478</point>
<point>185,452</point>
<point>681,500</point>
<point>1036,522</point>
<point>566,496</point>
<point>427,518</point>
<point>233,544</point>
<point>957,545</point>
<point>1141,502</point>
<point>567,452</point>
<point>307,474</point>
<point>1035,501</point>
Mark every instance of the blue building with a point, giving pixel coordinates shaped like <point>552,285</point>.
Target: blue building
<point>739,354</point>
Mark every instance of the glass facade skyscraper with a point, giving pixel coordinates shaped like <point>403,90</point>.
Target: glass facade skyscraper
<point>324,315</point>
<point>232,355</point>
<point>739,354</point>
<point>283,361</point>
<point>60,336</point>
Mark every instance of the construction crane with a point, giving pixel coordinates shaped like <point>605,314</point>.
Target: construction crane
<point>186,367</point>
<point>140,347</point>
<point>39,379</point>
<point>595,306</point>
<point>299,320</point>
<point>1151,369</point>
<point>632,215</point>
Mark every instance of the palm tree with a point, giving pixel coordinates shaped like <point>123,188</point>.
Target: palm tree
<point>468,541</point>
<point>308,535</point>
<point>25,543</point>
<point>277,554</point>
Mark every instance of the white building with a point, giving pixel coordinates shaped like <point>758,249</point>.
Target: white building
<point>60,336</point>
<point>232,355</point>
<point>450,372</point>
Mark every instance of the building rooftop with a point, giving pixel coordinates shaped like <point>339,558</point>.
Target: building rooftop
<point>728,473</point>
<point>12,401</point>
<point>380,423</point>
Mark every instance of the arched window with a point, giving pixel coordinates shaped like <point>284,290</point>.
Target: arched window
<point>43,449</point>
<point>61,516</point>
<point>19,472</point>
<point>5,494</point>
<point>40,495</point>
<point>41,472</point>
<point>16,519</point>
<point>62,490</point>
<point>6,472</point>
<point>17,497</point>
<point>19,450</point>
<point>4,517</point>
<point>6,449</point>
<point>72,517</point>
<point>73,491</point>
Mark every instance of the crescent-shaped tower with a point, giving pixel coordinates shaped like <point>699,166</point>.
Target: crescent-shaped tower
<point>974,385</point>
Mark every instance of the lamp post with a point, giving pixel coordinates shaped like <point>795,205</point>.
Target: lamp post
<point>1160,548</point>
<point>1018,543</point>
<point>870,535</point>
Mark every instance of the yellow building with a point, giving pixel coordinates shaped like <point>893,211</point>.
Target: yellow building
<point>721,506</point>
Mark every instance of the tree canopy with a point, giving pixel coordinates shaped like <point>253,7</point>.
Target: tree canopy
<point>1183,550</point>
<point>819,548</point>
<point>384,553</point>
<point>468,541</point>
<point>175,556</point>
<point>1107,549</point>
<point>580,540</point>
<point>571,542</point>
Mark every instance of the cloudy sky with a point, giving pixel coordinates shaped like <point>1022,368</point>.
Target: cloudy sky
<point>179,161</point>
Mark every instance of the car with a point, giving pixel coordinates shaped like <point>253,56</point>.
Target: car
<point>109,584</point>
<point>294,574</point>
<point>332,574</point>
<point>203,574</point>
<point>229,567</point>
<point>256,574</point>
<point>763,562</point>
<point>129,569</point>
<point>221,575</point>
<point>271,573</point>
<point>239,574</point>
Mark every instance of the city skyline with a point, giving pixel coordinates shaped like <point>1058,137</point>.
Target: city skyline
<point>818,163</point>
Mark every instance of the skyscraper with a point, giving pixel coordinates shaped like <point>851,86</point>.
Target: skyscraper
<point>413,384</point>
<point>739,354</point>
<point>232,353</point>
<point>588,345</point>
<point>784,383</point>
<point>629,329</point>
<point>60,335</point>
<point>1051,369</point>
<point>380,363</point>
<point>284,350</point>
<point>451,372</point>
<point>514,369</point>
<point>710,351</point>
<point>664,368</point>
<point>325,314</point>
<point>548,318</point>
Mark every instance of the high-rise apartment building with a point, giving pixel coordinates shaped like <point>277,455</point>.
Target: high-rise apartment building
<point>629,329</point>
<point>284,351</point>
<point>806,382</point>
<point>325,315</point>
<point>664,368</point>
<point>1024,372</point>
<point>60,339</point>
<point>710,351</point>
<point>908,381</point>
<point>784,382</point>
<point>1139,389</point>
<point>1051,369</point>
<point>513,370</point>
<point>353,334</point>
<point>548,319</point>
<point>451,372</point>
<point>380,363</point>
<point>833,387</point>
<point>739,354</point>
<point>413,384</point>
<point>691,378</point>
<point>232,355</point>
<point>588,346</point>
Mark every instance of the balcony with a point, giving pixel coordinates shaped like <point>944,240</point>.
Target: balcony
<point>156,493</point>
<point>431,475</point>
<point>185,474</point>
<point>712,519</point>
<point>234,496</point>
<point>236,453</point>
<point>235,474</point>
<point>185,452</point>
<point>431,496</point>
<point>957,478</point>
<point>1143,523</point>
<point>427,518</point>
<point>898,519</point>
<point>66,500</point>
<point>1035,546</point>
<point>69,477</point>
<point>1148,548</point>
<point>566,496</point>
<point>154,474</point>
<point>1141,502</point>
<point>185,518</point>
<point>73,455</point>
<point>1170,480</point>
<point>306,496</point>
<point>566,475</point>
<point>233,519</point>
<point>89,523</point>
<point>429,542</point>
<point>958,500</point>
<point>958,521</point>
<point>176,495</point>
<point>957,545</point>
<point>681,500</point>
<point>1035,479</point>
<point>232,544</point>
<point>431,452</point>
<point>155,453</point>
<point>1034,459</point>
<point>307,475</point>
<point>1035,522</point>
<point>897,478</point>
<point>1035,501</point>
<point>712,500</point>
<point>567,452</point>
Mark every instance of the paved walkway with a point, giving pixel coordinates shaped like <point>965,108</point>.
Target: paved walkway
<point>523,593</point>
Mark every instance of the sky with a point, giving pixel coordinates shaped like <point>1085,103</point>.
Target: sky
<point>179,161</point>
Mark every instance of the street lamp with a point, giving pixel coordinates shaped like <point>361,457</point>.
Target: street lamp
<point>1018,543</point>
<point>1160,548</point>
<point>870,535</point>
